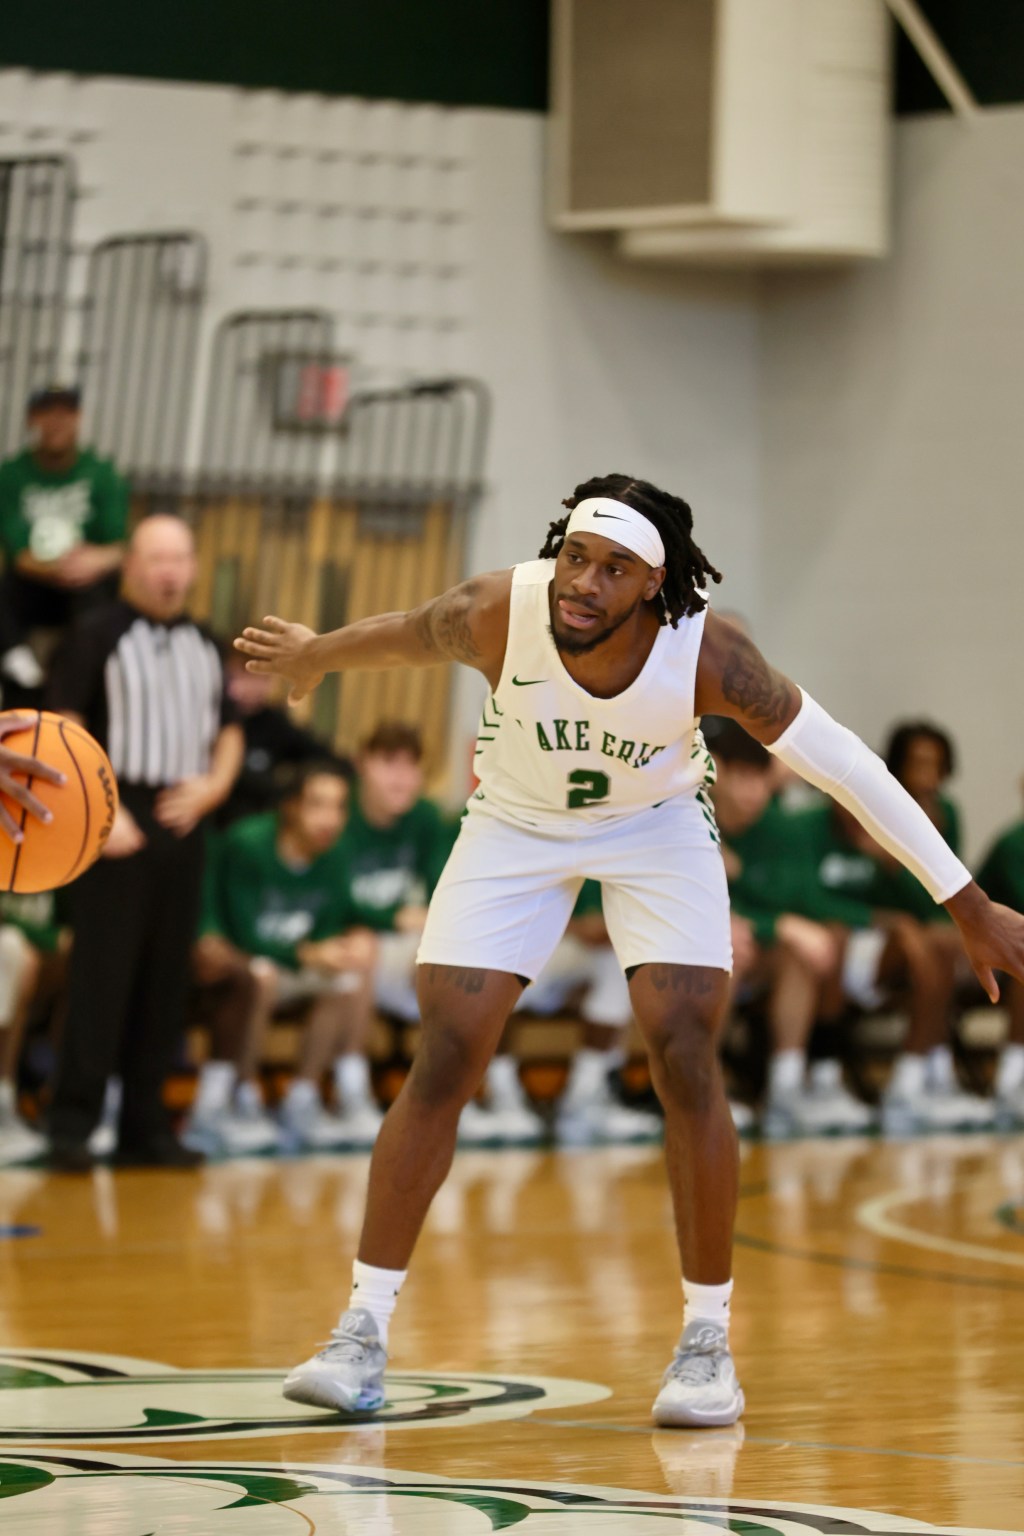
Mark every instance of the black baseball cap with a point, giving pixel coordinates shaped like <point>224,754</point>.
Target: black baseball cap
<point>67,395</point>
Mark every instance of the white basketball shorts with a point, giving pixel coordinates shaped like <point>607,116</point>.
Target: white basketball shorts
<point>507,892</point>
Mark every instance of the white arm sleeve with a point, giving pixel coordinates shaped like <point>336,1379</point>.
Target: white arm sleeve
<point>832,758</point>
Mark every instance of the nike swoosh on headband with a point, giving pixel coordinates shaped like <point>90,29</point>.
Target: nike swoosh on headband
<point>611,516</point>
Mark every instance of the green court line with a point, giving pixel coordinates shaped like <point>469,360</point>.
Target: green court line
<point>796,1445</point>
<point>875,1266</point>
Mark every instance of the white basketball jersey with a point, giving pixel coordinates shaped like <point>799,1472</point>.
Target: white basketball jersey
<point>553,757</point>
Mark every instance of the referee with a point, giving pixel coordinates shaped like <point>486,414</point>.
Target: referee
<point>148,683</point>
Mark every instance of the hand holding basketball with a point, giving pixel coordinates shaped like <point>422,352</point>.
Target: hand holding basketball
<point>282,649</point>
<point>12,763</point>
<point>58,801</point>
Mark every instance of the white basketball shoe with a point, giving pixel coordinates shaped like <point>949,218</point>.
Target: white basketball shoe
<point>700,1386</point>
<point>348,1373</point>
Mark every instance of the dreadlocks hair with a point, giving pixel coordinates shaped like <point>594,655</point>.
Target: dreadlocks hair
<point>687,568</point>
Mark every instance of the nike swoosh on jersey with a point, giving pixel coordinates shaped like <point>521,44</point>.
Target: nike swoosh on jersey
<point>527,682</point>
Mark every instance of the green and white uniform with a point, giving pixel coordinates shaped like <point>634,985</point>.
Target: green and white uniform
<point>575,787</point>
<point>51,511</point>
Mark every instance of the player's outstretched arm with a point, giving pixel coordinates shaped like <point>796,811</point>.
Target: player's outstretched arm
<point>468,623</point>
<point>734,679</point>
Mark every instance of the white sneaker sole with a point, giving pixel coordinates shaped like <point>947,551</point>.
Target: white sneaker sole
<point>320,1390</point>
<point>670,1415</point>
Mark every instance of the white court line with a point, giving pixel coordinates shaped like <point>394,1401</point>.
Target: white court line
<point>873,1214</point>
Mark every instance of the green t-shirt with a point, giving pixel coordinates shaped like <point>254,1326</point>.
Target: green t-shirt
<point>35,915</point>
<point>798,861</point>
<point>393,867</point>
<point>48,513</point>
<point>264,906</point>
<point>1001,875</point>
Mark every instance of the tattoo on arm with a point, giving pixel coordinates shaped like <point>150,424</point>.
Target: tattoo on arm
<point>757,690</point>
<point>443,627</point>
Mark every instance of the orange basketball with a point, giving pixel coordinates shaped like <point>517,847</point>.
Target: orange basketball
<point>57,852</point>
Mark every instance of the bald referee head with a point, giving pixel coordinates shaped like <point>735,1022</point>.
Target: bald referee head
<point>160,567</point>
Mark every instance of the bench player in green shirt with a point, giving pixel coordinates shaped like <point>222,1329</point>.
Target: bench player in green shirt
<point>395,844</point>
<point>279,930</point>
<point>785,939</point>
<point>63,519</point>
<point>31,939</point>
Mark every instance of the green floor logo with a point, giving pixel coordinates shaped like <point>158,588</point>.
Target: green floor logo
<point>135,1495</point>
<point>54,1397</point>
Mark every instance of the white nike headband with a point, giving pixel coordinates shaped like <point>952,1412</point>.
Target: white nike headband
<point>615,520</point>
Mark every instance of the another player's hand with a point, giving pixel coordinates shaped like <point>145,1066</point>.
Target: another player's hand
<point>353,951</point>
<point>181,807</point>
<point>12,763</point>
<point>993,936</point>
<point>126,836</point>
<point>283,650</point>
<point>81,566</point>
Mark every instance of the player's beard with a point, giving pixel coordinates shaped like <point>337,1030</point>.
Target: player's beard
<point>580,645</point>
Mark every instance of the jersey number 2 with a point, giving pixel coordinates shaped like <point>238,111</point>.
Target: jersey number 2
<point>591,788</point>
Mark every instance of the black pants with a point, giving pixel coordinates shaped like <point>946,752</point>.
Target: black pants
<point>134,923</point>
<point>26,605</point>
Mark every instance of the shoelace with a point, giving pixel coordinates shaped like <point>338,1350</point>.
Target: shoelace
<point>346,1346</point>
<point>699,1364</point>
<point>694,1370</point>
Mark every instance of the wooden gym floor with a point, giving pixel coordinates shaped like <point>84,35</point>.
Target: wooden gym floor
<point>879,1331</point>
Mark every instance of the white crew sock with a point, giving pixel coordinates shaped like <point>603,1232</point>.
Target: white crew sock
<point>249,1099</point>
<point>706,1303</point>
<point>112,1095</point>
<point>376,1290</point>
<point>215,1087</point>
<point>826,1075</point>
<point>303,1094</point>
<point>352,1080</point>
<point>786,1072</point>
<point>588,1076</point>
<point>907,1080</point>
<point>1010,1072</point>
<point>940,1074</point>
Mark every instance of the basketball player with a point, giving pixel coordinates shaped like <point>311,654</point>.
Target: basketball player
<point>16,789</point>
<point>601,657</point>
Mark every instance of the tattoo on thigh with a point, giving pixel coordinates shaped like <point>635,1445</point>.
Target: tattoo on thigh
<point>692,980</point>
<point>464,978</point>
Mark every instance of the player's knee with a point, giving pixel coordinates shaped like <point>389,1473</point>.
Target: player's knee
<point>684,1058</point>
<point>263,975</point>
<point>446,1070</point>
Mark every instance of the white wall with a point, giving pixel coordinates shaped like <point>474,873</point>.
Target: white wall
<point>594,365</point>
<point>893,537</point>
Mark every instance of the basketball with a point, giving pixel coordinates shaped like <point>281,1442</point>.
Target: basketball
<point>54,853</point>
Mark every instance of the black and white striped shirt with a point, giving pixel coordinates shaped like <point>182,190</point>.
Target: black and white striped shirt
<point>152,694</point>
